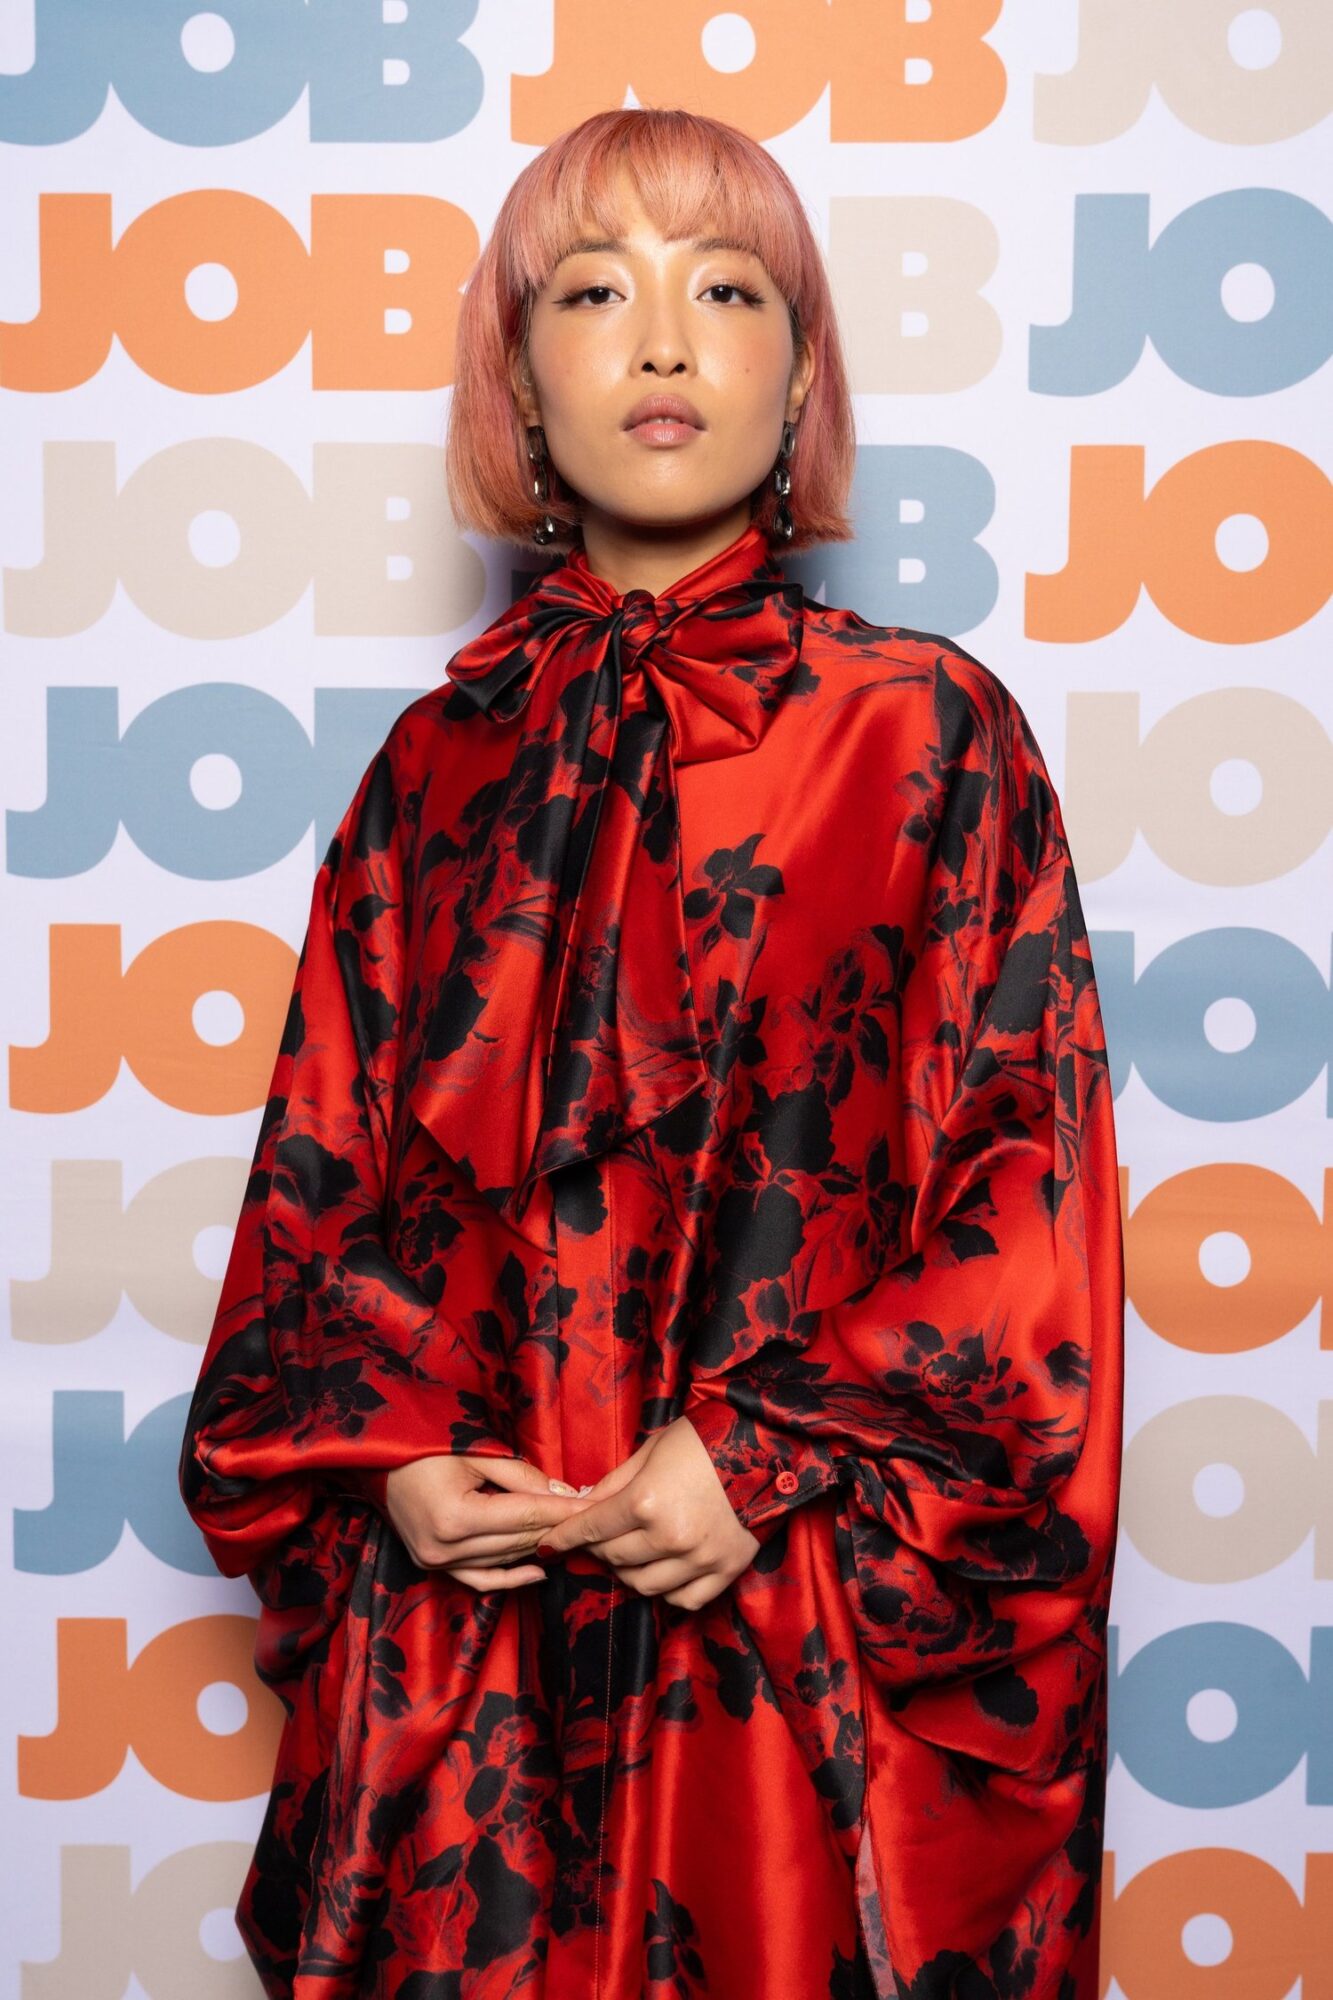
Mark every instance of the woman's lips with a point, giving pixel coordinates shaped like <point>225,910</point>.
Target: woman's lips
<point>663,430</point>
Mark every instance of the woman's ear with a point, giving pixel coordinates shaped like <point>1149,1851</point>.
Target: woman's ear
<point>525,395</point>
<point>802,375</point>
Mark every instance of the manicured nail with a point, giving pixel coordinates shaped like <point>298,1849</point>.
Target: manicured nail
<point>544,1549</point>
<point>559,1486</point>
<point>586,1489</point>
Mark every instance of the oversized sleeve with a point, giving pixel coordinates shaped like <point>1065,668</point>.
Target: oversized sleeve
<point>327,1365</point>
<point>966,1403</point>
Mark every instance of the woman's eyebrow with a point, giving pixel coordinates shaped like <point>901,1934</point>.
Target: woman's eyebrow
<point>618,246</point>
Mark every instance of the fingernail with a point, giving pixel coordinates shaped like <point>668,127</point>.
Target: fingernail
<point>586,1489</point>
<point>559,1486</point>
<point>544,1549</point>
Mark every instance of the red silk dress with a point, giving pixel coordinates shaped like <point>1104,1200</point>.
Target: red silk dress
<point>696,1017</point>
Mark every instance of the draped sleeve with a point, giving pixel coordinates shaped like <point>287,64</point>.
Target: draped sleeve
<point>327,1365</point>
<point>966,1403</point>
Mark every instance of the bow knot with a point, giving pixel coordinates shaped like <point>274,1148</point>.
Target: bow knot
<point>640,625</point>
<point>639,617</point>
<point>564,1019</point>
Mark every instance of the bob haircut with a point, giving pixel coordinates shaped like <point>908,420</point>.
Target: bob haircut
<point>692,173</point>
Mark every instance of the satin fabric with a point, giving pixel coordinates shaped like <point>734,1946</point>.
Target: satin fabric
<point>571,950</point>
<point>695,1016</point>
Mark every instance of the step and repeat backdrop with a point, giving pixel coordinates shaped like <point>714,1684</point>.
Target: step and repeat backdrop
<point>1084,267</point>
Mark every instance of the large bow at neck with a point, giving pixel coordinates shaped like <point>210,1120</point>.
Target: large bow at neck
<point>565,1017</point>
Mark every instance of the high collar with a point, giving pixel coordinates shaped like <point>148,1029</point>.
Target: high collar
<point>746,557</point>
<point>565,1019</point>
<point>720,647</point>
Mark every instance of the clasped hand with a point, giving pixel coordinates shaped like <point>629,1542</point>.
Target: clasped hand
<point>661,1519</point>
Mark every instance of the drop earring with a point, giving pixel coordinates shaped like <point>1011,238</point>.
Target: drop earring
<point>783,526</point>
<point>545,531</point>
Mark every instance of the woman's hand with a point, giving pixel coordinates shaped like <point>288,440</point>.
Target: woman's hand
<point>663,1521</point>
<point>446,1522</point>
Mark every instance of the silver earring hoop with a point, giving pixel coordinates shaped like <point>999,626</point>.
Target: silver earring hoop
<point>545,531</point>
<point>783,525</point>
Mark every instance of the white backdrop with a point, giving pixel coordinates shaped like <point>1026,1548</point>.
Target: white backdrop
<point>1084,272</point>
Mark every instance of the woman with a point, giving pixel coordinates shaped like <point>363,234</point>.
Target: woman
<point>666,1385</point>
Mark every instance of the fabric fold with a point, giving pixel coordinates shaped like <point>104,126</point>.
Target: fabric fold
<point>564,1018</point>
<point>327,1361</point>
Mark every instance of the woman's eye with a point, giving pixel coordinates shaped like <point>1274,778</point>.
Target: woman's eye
<point>728,285</point>
<point>745,292</point>
<point>572,298</point>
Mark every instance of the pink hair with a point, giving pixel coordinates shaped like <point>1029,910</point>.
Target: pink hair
<point>692,174</point>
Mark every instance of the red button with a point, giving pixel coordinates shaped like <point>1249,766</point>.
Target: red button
<point>787,1482</point>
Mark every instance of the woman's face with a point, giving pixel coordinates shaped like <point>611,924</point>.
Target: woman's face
<point>650,316</point>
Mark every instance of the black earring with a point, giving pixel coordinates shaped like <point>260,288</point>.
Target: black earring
<point>783,525</point>
<point>545,531</point>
